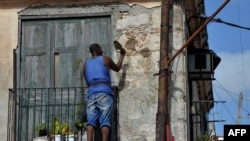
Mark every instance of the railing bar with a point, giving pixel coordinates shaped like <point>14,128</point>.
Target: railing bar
<point>10,115</point>
<point>51,113</point>
<point>21,113</point>
<point>49,105</point>
<point>15,117</point>
<point>31,105</point>
<point>14,114</point>
<point>27,116</point>
<point>68,110</point>
<point>19,116</point>
<point>34,111</point>
<point>60,106</point>
<point>74,111</point>
<point>42,113</point>
<point>55,107</point>
<point>47,109</point>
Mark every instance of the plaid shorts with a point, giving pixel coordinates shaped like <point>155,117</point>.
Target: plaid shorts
<point>99,107</point>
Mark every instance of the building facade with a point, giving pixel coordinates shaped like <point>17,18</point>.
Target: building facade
<point>51,37</point>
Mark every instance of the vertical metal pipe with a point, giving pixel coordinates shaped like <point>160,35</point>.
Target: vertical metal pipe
<point>162,118</point>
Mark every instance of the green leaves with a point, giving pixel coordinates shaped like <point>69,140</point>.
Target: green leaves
<point>55,127</point>
<point>41,129</point>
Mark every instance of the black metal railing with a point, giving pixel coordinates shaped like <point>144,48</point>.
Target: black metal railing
<point>57,109</point>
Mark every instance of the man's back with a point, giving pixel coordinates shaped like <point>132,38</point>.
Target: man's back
<point>97,76</point>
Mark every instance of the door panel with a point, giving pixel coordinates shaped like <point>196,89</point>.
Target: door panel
<point>65,43</point>
<point>35,72</point>
<point>67,33</point>
<point>54,50</point>
<point>68,71</point>
<point>34,34</point>
<point>34,57</point>
<point>98,30</point>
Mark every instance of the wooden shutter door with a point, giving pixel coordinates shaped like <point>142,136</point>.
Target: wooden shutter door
<point>53,51</point>
<point>34,71</point>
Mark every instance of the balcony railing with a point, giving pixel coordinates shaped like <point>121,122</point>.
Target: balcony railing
<point>30,107</point>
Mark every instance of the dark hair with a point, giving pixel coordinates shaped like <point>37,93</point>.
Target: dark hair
<point>95,48</point>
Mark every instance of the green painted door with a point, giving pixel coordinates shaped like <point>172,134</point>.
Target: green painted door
<point>51,54</point>
<point>53,50</point>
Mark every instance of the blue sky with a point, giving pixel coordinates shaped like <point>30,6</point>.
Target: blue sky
<point>232,45</point>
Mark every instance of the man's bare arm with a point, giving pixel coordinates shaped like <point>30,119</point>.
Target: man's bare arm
<point>115,66</point>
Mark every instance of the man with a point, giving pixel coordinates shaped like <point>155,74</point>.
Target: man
<point>99,94</point>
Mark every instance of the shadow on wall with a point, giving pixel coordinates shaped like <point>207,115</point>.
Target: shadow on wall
<point>121,83</point>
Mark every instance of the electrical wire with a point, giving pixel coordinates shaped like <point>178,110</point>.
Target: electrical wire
<point>218,20</point>
<point>229,93</point>
<point>215,113</point>
<point>228,111</point>
<point>245,98</point>
<point>243,66</point>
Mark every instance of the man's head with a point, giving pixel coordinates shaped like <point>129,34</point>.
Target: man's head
<point>95,49</point>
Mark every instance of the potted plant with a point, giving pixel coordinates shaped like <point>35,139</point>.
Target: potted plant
<point>41,129</point>
<point>81,120</point>
<point>67,132</point>
<point>55,128</point>
<point>81,126</point>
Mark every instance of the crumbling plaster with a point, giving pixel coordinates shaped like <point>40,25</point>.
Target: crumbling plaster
<point>138,29</point>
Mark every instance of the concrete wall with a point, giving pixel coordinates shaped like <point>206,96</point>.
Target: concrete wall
<point>178,89</point>
<point>138,29</point>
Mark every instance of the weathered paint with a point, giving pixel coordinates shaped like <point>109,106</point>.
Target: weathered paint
<point>138,29</point>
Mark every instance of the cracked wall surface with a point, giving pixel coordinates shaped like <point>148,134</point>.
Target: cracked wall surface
<point>137,28</point>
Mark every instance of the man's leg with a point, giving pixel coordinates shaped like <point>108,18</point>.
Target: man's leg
<point>105,133</point>
<point>90,130</point>
<point>105,106</point>
<point>92,116</point>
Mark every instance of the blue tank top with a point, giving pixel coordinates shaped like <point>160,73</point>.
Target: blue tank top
<point>97,76</point>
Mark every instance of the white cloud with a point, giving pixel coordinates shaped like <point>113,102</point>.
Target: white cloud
<point>233,71</point>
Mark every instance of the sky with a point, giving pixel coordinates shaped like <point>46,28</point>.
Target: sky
<point>232,45</point>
